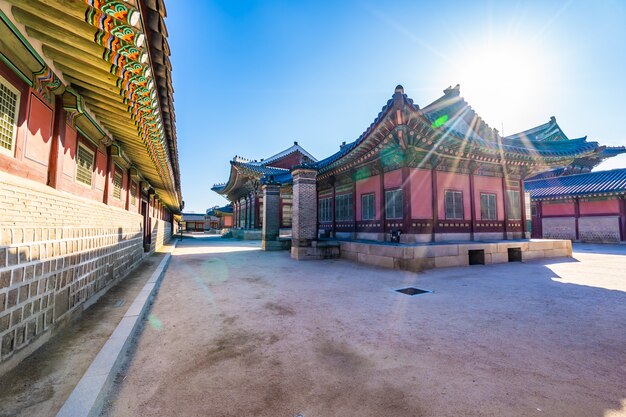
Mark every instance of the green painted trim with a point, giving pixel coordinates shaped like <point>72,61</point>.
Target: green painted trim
<point>22,39</point>
<point>16,70</point>
<point>86,136</point>
<point>96,125</point>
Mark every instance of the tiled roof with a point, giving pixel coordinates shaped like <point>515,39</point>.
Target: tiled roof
<point>294,148</point>
<point>189,217</point>
<point>260,169</point>
<point>601,182</point>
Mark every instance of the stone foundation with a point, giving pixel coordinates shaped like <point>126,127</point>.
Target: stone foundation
<point>420,257</point>
<point>58,253</point>
<point>318,250</point>
<point>247,234</point>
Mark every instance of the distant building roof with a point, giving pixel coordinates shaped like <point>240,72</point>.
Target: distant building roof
<point>193,217</point>
<point>220,211</point>
<point>588,184</point>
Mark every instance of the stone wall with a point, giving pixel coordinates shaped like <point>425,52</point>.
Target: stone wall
<point>161,233</point>
<point>599,229</point>
<point>58,252</point>
<point>559,228</point>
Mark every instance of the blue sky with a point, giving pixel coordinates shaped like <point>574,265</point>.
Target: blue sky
<point>251,77</point>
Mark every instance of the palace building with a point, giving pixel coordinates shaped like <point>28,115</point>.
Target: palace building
<point>432,174</point>
<point>89,174</point>
<point>588,207</point>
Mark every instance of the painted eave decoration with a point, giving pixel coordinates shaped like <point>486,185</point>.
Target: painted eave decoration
<point>449,128</point>
<point>110,60</point>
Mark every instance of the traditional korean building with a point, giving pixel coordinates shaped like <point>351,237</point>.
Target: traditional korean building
<point>195,222</point>
<point>589,207</point>
<point>89,175</point>
<point>243,187</point>
<point>221,217</point>
<point>437,173</point>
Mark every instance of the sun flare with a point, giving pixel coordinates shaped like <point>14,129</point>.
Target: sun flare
<point>501,79</point>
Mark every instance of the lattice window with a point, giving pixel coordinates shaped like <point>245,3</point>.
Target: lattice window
<point>368,210</point>
<point>514,205</point>
<point>325,212</point>
<point>133,193</point>
<point>117,184</point>
<point>84,165</point>
<point>488,206</point>
<point>343,207</point>
<point>9,102</point>
<point>454,205</point>
<point>393,204</point>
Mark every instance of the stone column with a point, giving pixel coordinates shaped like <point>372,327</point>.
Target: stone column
<point>271,219</point>
<point>304,210</point>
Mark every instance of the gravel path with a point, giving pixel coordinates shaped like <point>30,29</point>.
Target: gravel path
<point>235,331</point>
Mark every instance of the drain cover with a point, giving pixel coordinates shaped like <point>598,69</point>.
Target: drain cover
<point>413,291</point>
<point>119,303</point>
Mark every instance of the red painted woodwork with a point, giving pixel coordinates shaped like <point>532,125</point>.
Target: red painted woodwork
<point>39,135</point>
<point>55,165</point>
<point>599,207</point>
<point>406,199</point>
<point>558,209</point>
<point>472,205</point>
<point>100,173</point>
<point>488,185</point>
<point>369,185</point>
<point>393,179</point>
<point>576,216</point>
<point>523,208</point>
<point>453,182</point>
<point>435,202</point>
<point>421,193</point>
<point>622,213</point>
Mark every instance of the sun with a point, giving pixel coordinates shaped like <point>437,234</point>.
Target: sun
<point>501,79</point>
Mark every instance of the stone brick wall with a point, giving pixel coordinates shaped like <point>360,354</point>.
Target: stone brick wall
<point>598,229</point>
<point>304,220</point>
<point>161,233</point>
<point>559,228</point>
<point>57,251</point>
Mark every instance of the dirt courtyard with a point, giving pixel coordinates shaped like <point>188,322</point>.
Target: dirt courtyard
<point>235,331</point>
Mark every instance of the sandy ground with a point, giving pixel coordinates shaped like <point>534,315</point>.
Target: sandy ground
<point>41,383</point>
<point>235,331</point>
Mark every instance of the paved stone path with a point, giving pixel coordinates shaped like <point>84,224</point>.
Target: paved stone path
<point>239,332</point>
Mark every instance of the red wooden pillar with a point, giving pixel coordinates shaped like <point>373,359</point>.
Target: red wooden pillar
<point>472,204</point>
<point>576,216</point>
<point>406,200</point>
<point>433,174</point>
<point>317,213</point>
<point>354,197</point>
<point>108,177</point>
<point>248,213</point>
<point>256,211</point>
<point>622,218</point>
<point>523,205</point>
<point>57,146</point>
<point>333,210</point>
<point>128,184</point>
<point>505,208</point>
<point>383,214</point>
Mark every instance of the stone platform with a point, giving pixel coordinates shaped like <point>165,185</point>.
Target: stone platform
<point>419,257</point>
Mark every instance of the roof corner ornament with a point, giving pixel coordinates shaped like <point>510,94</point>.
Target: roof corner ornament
<point>398,103</point>
<point>453,91</point>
